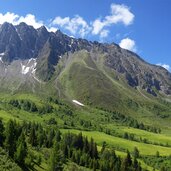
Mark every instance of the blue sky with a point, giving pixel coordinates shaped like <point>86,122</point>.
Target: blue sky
<point>141,26</point>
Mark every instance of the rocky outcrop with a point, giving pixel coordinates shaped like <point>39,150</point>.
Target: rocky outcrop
<point>23,42</point>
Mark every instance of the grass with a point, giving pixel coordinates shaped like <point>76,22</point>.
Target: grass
<point>81,74</point>
<point>97,117</point>
<point>100,137</point>
<point>7,116</point>
<point>89,81</point>
<point>120,143</point>
<point>152,137</point>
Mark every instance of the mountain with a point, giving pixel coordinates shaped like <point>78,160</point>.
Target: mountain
<point>99,74</point>
<point>53,86</point>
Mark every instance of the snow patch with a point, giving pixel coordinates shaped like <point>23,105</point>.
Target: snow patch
<point>1,60</point>
<point>34,67</point>
<point>33,71</point>
<point>20,36</point>
<point>29,67</point>
<point>30,60</point>
<point>24,69</point>
<point>2,54</point>
<point>72,41</point>
<point>77,102</point>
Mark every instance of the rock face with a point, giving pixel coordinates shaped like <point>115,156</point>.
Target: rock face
<point>36,53</point>
<point>138,72</point>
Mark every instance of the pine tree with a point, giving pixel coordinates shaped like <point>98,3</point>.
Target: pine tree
<point>127,162</point>
<point>136,152</point>
<point>10,140</point>
<point>86,145</point>
<point>95,152</point>
<point>157,154</point>
<point>32,136</point>
<point>95,164</point>
<point>57,159</point>
<point>117,166</point>
<point>135,164</point>
<point>93,149</point>
<point>58,136</point>
<point>103,146</point>
<point>50,138</point>
<point>41,137</point>
<point>1,132</point>
<point>21,151</point>
<point>80,141</point>
<point>128,159</point>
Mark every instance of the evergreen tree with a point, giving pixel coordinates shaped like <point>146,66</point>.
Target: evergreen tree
<point>163,169</point>
<point>136,152</point>
<point>95,164</point>
<point>1,132</point>
<point>10,141</point>
<point>135,164</point>
<point>127,162</point>
<point>86,145</point>
<point>41,137</point>
<point>65,150</point>
<point>50,138</point>
<point>93,149</point>
<point>32,136</point>
<point>21,151</point>
<point>33,107</point>
<point>117,166</point>
<point>57,159</point>
<point>128,159</point>
<point>103,146</point>
<point>126,136</point>
<point>58,136</point>
<point>157,154</point>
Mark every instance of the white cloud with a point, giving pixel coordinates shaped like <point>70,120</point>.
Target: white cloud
<point>98,25</point>
<point>104,33</point>
<point>8,17</point>
<point>166,66</point>
<point>30,19</point>
<point>76,25</point>
<point>52,29</point>
<point>16,19</point>
<point>61,21</point>
<point>128,44</point>
<point>119,13</point>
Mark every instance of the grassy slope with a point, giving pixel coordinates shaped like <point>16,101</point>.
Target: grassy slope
<point>111,141</point>
<point>152,137</point>
<point>89,81</point>
<point>79,80</point>
<point>96,116</point>
<point>145,149</point>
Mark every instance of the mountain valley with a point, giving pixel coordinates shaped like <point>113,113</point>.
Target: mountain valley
<point>54,83</point>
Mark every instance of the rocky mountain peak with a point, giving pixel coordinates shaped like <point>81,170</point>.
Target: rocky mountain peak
<point>22,42</point>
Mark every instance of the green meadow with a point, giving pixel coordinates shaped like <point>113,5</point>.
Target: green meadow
<point>91,122</point>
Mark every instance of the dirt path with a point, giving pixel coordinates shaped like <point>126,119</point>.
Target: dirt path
<point>142,94</point>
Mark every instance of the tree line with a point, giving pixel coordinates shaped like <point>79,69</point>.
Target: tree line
<point>30,106</point>
<point>19,139</point>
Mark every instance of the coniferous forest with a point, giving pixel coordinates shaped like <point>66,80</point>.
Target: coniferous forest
<point>21,142</point>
